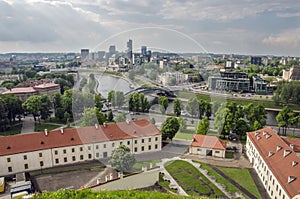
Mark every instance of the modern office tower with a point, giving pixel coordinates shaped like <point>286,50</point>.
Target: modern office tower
<point>112,50</point>
<point>129,49</point>
<point>144,50</point>
<point>255,60</point>
<point>85,54</point>
<point>101,54</point>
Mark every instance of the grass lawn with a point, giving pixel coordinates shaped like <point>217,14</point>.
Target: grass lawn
<point>268,103</point>
<point>12,131</point>
<point>184,136</point>
<point>229,154</point>
<point>242,177</point>
<point>192,180</point>
<point>138,165</point>
<point>229,187</point>
<point>42,127</point>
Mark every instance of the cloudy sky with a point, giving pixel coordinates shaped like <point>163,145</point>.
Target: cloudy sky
<point>219,26</point>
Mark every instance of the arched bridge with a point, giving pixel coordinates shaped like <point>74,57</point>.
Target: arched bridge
<point>153,91</point>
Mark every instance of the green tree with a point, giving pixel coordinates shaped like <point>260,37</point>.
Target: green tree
<point>98,101</point>
<point>202,107</point>
<point>169,128</point>
<point>145,105</point>
<point>221,122</point>
<point>33,105</point>
<point>121,159</point>
<point>120,117</point>
<point>177,107</point>
<point>192,106</point>
<point>57,101</point>
<point>203,126</point>
<point>110,116</point>
<point>45,107</point>
<point>242,127</point>
<point>208,109</point>
<point>183,123</point>
<point>89,117</point>
<point>283,118</point>
<point>163,103</point>
<point>13,105</point>
<point>3,115</point>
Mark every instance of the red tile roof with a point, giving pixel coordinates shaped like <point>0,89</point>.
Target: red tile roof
<point>211,142</point>
<point>75,136</point>
<point>47,85</point>
<point>295,142</point>
<point>266,141</point>
<point>20,90</point>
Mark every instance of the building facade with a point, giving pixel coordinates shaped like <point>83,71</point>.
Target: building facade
<point>276,162</point>
<point>204,145</point>
<point>26,152</point>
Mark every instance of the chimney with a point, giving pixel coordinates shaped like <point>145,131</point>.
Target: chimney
<point>106,178</point>
<point>46,132</point>
<point>111,176</point>
<point>96,126</point>
<point>61,130</point>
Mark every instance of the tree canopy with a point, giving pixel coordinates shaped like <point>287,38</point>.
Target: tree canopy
<point>121,159</point>
<point>169,128</point>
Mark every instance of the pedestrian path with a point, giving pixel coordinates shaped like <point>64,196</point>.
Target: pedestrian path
<point>27,125</point>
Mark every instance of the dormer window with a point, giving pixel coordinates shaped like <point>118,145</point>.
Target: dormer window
<point>8,147</point>
<point>258,137</point>
<point>270,153</point>
<point>294,163</point>
<point>268,136</point>
<point>278,148</point>
<point>286,153</point>
<point>42,142</point>
<point>256,133</point>
<point>291,146</point>
<point>291,179</point>
<point>265,133</point>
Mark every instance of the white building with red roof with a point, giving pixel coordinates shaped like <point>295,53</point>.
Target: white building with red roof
<point>276,162</point>
<point>27,152</point>
<point>205,145</point>
<point>25,92</point>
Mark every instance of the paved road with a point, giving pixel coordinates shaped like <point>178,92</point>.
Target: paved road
<point>27,125</point>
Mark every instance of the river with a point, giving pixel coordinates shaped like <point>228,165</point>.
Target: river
<point>108,83</point>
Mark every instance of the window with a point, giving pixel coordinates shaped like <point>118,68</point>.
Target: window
<point>113,145</point>
<point>279,192</point>
<point>89,147</point>
<point>276,187</point>
<point>25,166</point>
<point>81,149</point>
<point>9,169</point>
<point>64,151</point>
<point>149,140</point>
<point>217,151</point>
<point>135,141</point>
<point>97,146</point>
<point>40,155</point>
<point>156,138</point>
<point>143,140</point>
<point>25,157</point>
<point>90,156</point>
<point>149,147</point>
<point>104,154</point>
<point>199,149</point>
<point>56,161</point>
<point>73,150</point>
<point>41,163</point>
<point>135,149</point>
<point>128,142</point>
<point>55,152</point>
<point>156,146</point>
<point>81,157</point>
<point>73,158</point>
<point>8,159</point>
<point>104,145</point>
<point>97,155</point>
<point>65,159</point>
<point>142,148</point>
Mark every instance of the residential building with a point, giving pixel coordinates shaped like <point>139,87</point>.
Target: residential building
<point>111,50</point>
<point>205,145</point>
<point>25,92</point>
<point>85,54</point>
<point>129,49</point>
<point>291,74</point>
<point>276,161</point>
<point>255,60</point>
<point>26,152</point>
<point>260,85</point>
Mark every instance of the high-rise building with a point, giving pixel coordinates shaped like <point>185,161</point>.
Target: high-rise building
<point>144,50</point>
<point>112,50</point>
<point>101,54</point>
<point>129,49</point>
<point>85,54</point>
<point>255,60</point>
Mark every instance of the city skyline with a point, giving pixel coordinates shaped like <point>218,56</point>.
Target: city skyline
<point>238,27</point>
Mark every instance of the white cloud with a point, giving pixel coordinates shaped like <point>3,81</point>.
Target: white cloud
<point>285,39</point>
<point>289,14</point>
<point>219,10</point>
